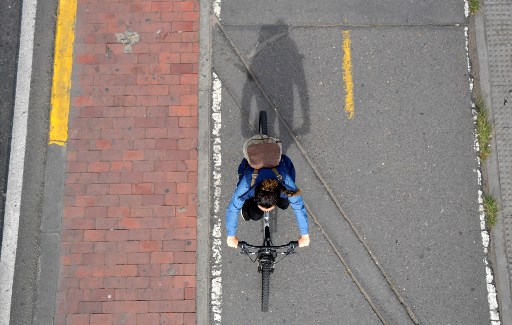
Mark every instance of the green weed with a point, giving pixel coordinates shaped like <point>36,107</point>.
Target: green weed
<point>483,130</point>
<point>474,6</point>
<point>491,211</point>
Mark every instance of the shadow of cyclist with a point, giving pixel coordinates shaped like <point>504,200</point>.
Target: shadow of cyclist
<point>277,64</point>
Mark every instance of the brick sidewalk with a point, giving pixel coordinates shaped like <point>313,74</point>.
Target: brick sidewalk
<point>128,247</point>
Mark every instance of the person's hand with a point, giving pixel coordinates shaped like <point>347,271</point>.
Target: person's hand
<point>304,241</point>
<point>233,241</point>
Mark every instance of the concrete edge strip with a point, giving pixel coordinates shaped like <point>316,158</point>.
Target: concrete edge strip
<point>203,179</point>
<point>491,166</point>
<point>17,158</point>
<point>49,259</point>
<point>53,201</point>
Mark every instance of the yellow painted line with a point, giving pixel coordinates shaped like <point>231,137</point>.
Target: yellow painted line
<point>347,75</point>
<point>62,67</point>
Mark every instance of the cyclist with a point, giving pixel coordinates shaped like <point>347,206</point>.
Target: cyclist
<point>272,187</point>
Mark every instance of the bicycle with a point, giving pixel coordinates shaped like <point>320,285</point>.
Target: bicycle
<point>266,254</point>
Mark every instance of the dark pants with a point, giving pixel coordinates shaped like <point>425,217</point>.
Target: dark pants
<point>250,209</point>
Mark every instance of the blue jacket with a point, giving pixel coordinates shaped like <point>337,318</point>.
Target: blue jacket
<point>244,191</point>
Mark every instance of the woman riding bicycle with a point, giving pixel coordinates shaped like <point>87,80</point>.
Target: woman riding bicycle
<point>272,187</point>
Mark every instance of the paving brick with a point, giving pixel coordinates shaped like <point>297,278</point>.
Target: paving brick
<point>102,271</point>
<point>190,294</point>
<point>184,306</point>
<point>126,294</point>
<point>126,270</point>
<point>161,257</point>
<point>117,235</point>
<point>148,270</point>
<point>137,282</point>
<point>93,259</point>
<point>174,245</point>
<point>89,307</point>
<point>82,247</point>
<point>139,234</point>
<point>71,259</point>
<point>128,246</point>
<point>121,166</point>
<point>184,281</point>
<point>138,258</point>
<point>77,167</point>
<point>151,318</point>
<point>91,283</point>
<point>77,320</point>
<point>94,235</point>
<point>104,247</point>
<point>118,212</point>
<point>96,319</point>
<point>106,223</point>
<point>189,318</point>
<point>143,166</point>
<point>161,294</point>
<point>184,257</point>
<point>98,189</point>
<point>114,283</point>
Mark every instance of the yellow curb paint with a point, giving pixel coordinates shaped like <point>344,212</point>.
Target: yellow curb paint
<point>62,67</point>
<point>347,75</point>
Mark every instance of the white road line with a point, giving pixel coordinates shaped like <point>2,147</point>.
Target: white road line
<point>216,8</point>
<point>216,294</point>
<point>17,159</point>
<point>491,288</point>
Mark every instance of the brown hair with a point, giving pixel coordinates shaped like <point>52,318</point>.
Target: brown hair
<point>267,192</point>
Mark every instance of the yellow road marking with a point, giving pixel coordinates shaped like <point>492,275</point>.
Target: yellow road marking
<point>62,67</point>
<point>347,75</point>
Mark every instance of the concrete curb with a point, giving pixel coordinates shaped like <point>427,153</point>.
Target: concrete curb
<point>48,264</point>
<point>203,186</point>
<point>493,180</point>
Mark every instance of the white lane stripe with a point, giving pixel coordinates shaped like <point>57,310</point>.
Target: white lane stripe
<point>216,294</point>
<point>491,288</point>
<point>216,8</point>
<point>17,158</point>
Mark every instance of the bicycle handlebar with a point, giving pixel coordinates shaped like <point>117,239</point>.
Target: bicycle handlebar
<point>291,245</point>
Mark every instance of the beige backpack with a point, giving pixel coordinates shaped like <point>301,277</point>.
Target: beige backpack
<point>263,151</point>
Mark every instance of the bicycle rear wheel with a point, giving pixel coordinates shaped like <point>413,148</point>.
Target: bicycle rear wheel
<point>263,123</point>
<point>266,269</point>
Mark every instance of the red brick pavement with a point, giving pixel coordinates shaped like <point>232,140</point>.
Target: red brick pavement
<point>129,227</point>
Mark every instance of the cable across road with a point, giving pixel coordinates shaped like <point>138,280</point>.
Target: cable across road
<point>329,191</point>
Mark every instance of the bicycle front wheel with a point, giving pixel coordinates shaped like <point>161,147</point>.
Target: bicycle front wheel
<point>266,269</point>
<point>263,123</point>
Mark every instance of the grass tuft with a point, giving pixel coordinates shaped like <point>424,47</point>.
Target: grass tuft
<point>491,211</point>
<point>483,130</point>
<point>474,6</point>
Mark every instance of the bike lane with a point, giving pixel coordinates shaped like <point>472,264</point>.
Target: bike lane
<point>393,187</point>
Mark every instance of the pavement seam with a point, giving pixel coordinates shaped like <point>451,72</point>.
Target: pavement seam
<point>347,267</point>
<point>355,26</point>
<point>304,153</point>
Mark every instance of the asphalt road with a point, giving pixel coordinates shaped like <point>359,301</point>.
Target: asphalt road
<point>26,268</point>
<point>403,170</point>
<point>10,16</point>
